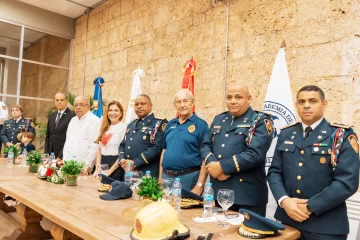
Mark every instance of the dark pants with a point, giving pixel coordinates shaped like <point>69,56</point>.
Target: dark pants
<point>119,173</point>
<point>318,236</point>
<point>261,210</point>
<point>188,181</point>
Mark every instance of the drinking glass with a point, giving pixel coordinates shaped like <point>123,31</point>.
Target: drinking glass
<point>45,158</point>
<point>104,168</point>
<point>167,185</point>
<point>136,180</point>
<point>225,198</point>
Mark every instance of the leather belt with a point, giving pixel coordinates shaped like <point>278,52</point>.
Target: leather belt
<point>174,173</point>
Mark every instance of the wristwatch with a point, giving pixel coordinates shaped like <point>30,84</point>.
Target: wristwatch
<point>308,208</point>
<point>200,185</point>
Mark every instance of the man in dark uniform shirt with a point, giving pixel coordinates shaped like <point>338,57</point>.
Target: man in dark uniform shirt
<point>143,140</point>
<point>235,149</point>
<point>315,168</point>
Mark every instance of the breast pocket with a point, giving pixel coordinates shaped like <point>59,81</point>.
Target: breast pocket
<point>320,159</point>
<point>287,151</point>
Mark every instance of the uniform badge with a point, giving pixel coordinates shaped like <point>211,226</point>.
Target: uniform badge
<point>322,160</point>
<point>163,126</point>
<point>269,126</point>
<point>329,151</point>
<point>191,128</point>
<point>144,137</point>
<point>354,143</point>
<point>127,130</point>
<point>246,216</point>
<point>32,124</point>
<point>138,226</point>
<point>3,107</point>
<point>316,149</point>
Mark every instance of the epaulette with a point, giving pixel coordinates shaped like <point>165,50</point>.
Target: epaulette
<point>266,113</point>
<point>28,118</point>
<point>133,121</point>
<point>339,125</point>
<point>290,125</point>
<point>222,113</point>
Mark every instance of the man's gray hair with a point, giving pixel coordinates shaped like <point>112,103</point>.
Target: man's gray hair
<point>186,91</point>
<point>85,99</point>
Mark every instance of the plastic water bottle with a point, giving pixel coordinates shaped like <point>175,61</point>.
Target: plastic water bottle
<point>148,174</point>
<point>128,174</point>
<point>52,158</point>
<point>10,158</point>
<point>208,200</point>
<point>176,193</point>
<point>72,158</point>
<point>24,156</point>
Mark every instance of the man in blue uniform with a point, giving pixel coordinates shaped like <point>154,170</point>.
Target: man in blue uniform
<point>235,150</point>
<point>181,156</point>
<point>142,143</point>
<point>13,128</point>
<point>315,168</point>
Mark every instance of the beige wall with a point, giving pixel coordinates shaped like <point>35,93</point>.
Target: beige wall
<point>323,48</point>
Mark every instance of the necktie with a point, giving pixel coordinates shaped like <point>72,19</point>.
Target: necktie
<point>307,131</point>
<point>57,118</point>
<point>137,122</point>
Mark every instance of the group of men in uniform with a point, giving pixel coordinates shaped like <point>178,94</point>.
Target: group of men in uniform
<point>315,167</point>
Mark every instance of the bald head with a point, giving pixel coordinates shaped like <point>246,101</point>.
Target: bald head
<point>238,99</point>
<point>184,102</point>
<point>81,105</point>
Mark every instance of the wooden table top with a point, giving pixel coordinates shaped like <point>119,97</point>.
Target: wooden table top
<point>80,210</point>
<point>14,173</point>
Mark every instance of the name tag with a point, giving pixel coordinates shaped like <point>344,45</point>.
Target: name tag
<point>217,126</point>
<point>288,142</point>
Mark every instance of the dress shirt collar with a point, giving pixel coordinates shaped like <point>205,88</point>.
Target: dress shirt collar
<point>62,111</point>
<point>18,119</point>
<point>85,115</point>
<point>146,116</point>
<point>313,126</point>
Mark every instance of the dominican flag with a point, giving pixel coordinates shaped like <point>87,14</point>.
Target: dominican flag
<point>98,101</point>
<point>135,91</point>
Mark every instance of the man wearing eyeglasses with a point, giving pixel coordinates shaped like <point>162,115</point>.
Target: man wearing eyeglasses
<point>81,134</point>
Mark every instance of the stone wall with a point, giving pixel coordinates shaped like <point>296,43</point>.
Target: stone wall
<point>322,38</point>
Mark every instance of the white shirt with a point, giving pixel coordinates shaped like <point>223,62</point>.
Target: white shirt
<point>115,134</point>
<point>304,126</point>
<point>4,115</point>
<point>80,138</point>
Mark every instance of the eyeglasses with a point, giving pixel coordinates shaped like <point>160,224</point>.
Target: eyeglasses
<point>80,105</point>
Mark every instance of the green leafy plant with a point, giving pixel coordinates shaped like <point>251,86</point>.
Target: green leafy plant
<point>34,158</point>
<point>150,188</point>
<point>72,168</point>
<point>15,149</point>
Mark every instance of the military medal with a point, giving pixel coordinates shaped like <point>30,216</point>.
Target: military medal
<point>322,160</point>
<point>333,164</point>
<point>191,128</point>
<point>316,149</point>
<point>320,144</point>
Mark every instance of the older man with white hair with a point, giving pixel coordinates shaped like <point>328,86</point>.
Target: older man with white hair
<point>81,134</point>
<point>181,155</point>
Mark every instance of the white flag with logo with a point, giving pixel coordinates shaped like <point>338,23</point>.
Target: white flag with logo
<point>279,103</point>
<point>135,91</point>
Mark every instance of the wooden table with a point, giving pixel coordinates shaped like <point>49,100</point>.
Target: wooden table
<point>78,212</point>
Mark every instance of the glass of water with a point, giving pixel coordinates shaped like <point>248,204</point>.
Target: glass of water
<point>10,163</point>
<point>225,198</point>
<point>167,184</point>
<point>45,158</point>
<point>136,180</point>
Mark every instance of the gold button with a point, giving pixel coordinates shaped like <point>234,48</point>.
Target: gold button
<point>302,151</point>
<point>286,150</point>
<point>128,156</point>
<point>128,147</point>
<point>130,139</point>
<point>298,191</point>
<point>240,179</point>
<point>298,177</point>
<point>226,135</point>
<point>134,131</point>
<point>219,156</point>
<point>222,145</point>
<point>300,164</point>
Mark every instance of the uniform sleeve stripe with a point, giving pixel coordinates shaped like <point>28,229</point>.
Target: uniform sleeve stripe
<point>236,164</point>
<point>208,156</point>
<point>145,160</point>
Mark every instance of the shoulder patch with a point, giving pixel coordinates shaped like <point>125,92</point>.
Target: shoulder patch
<point>163,126</point>
<point>290,125</point>
<point>354,142</point>
<point>339,125</point>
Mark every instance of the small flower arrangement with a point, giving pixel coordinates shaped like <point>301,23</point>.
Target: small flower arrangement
<point>71,171</point>
<point>51,172</point>
<point>150,188</point>
<point>15,149</point>
<point>34,160</point>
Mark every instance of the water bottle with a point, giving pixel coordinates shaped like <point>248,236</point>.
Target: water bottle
<point>52,158</point>
<point>176,193</point>
<point>128,174</point>
<point>24,156</point>
<point>72,158</point>
<point>10,158</point>
<point>208,200</point>
<point>148,174</point>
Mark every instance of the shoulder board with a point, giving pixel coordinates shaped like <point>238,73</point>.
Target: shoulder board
<point>339,125</point>
<point>266,113</point>
<point>133,121</point>
<point>222,113</point>
<point>290,125</point>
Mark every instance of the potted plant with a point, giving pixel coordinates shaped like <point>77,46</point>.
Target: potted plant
<point>150,188</point>
<point>34,160</point>
<point>71,171</point>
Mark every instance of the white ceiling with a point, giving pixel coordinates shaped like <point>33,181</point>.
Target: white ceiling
<point>69,8</point>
